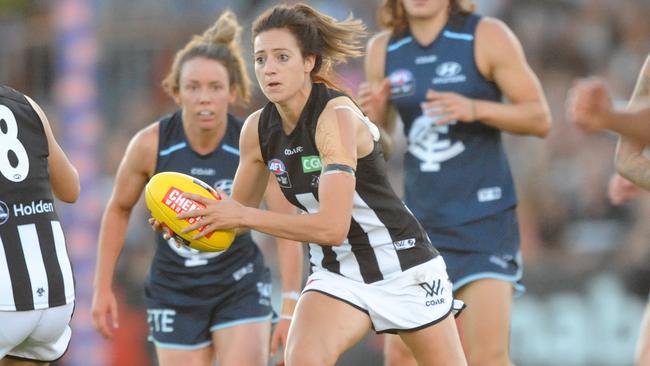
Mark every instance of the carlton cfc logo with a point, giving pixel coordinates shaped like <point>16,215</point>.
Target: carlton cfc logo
<point>4,213</point>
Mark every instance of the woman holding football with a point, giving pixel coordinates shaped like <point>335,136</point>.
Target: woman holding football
<point>199,304</point>
<point>373,265</point>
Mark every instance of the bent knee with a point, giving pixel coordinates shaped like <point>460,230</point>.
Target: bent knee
<point>297,355</point>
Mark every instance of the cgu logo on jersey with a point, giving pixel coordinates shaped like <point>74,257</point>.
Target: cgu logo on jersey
<point>448,73</point>
<point>427,143</point>
<point>402,83</point>
<point>311,163</point>
<point>4,213</point>
<point>175,200</point>
<point>276,166</point>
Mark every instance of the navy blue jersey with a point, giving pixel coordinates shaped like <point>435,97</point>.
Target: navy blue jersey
<point>184,267</point>
<point>458,172</point>
<point>384,237</point>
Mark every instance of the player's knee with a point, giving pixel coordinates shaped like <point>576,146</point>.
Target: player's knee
<point>488,357</point>
<point>305,355</point>
<point>398,356</point>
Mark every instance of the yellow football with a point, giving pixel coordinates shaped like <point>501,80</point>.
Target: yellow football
<point>164,198</point>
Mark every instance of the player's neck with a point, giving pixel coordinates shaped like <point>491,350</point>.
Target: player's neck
<point>425,30</point>
<point>203,140</point>
<point>291,109</point>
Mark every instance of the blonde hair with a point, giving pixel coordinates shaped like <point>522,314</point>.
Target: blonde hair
<point>392,15</point>
<point>220,43</point>
<point>330,41</point>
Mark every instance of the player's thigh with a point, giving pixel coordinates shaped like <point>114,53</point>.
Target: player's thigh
<point>323,328</point>
<point>185,357</point>
<point>437,344</point>
<point>245,344</point>
<point>485,323</point>
<point>16,362</point>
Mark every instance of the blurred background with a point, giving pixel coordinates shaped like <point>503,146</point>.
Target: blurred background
<point>96,68</point>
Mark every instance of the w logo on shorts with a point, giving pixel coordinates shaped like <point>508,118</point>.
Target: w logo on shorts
<point>432,289</point>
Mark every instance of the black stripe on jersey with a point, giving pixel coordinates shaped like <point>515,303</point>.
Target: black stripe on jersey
<point>399,216</point>
<point>365,255</point>
<point>56,295</point>
<point>329,260</point>
<point>17,266</point>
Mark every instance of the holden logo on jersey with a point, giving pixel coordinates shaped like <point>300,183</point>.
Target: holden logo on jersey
<point>402,83</point>
<point>224,185</point>
<point>448,73</point>
<point>33,208</point>
<point>4,213</point>
<point>311,163</point>
<point>427,145</point>
<point>276,166</point>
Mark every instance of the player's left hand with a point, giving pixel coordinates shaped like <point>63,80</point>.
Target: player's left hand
<point>279,340</point>
<point>589,105</point>
<point>449,107</point>
<point>225,213</point>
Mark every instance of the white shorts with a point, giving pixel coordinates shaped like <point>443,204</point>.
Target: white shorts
<point>38,335</point>
<point>414,299</point>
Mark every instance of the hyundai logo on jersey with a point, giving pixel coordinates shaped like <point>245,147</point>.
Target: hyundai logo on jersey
<point>4,213</point>
<point>402,83</point>
<point>449,72</point>
<point>276,166</point>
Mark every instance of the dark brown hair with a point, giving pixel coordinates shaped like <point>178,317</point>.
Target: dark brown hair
<point>220,43</point>
<point>330,41</point>
<point>392,15</point>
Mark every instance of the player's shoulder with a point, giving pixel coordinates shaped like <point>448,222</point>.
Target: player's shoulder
<point>493,29</point>
<point>379,41</point>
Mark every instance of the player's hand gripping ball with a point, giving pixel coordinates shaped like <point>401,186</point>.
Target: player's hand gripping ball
<point>165,200</point>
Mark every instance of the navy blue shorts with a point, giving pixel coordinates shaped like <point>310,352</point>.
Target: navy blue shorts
<point>190,325</point>
<point>485,248</point>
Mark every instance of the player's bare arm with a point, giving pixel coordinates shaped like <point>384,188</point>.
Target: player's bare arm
<point>500,57</point>
<point>630,161</point>
<point>63,175</point>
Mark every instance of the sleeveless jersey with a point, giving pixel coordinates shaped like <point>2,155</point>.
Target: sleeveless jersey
<point>35,271</point>
<point>384,237</point>
<point>182,268</point>
<point>458,172</point>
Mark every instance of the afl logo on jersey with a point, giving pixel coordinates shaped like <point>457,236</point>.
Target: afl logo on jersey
<point>402,83</point>
<point>4,213</point>
<point>449,72</point>
<point>276,166</point>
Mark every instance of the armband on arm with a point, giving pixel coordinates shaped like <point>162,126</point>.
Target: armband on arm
<point>337,168</point>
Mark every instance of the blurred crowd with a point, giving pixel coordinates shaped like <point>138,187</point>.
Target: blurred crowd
<point>583,256</point>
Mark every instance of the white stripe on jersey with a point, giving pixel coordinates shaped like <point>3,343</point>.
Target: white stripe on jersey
<point>35,265</point>
<point>348,268</point>
<point>64,261</point>
<point>6,290</point>
<point>378,236</point>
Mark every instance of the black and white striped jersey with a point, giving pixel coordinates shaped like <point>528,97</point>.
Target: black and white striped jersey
<point>35,271</point>
<point>384,237</point>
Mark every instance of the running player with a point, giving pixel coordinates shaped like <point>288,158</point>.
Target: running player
<point>589,106</point>
<point>373,265</point>
<point>36,283</point>
<point>445,70</point>
<point>198,303</point>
